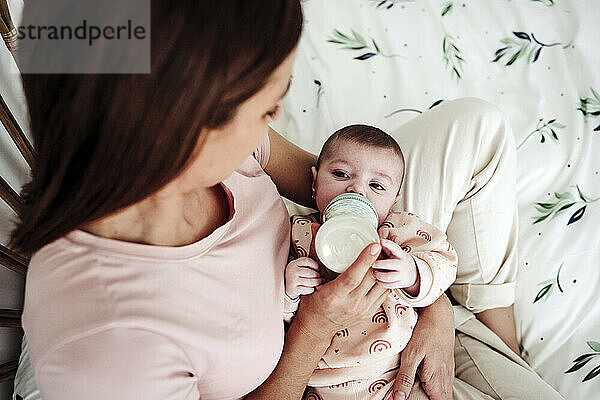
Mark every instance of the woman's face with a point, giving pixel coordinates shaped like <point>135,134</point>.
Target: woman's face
<point>227,147</point>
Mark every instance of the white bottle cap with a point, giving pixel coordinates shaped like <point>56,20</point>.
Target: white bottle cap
<point>351,204</point>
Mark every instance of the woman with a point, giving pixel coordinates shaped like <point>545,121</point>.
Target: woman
<point>158,239</point>
<point>157,273</point>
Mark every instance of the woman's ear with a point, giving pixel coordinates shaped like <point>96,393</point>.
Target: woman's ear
<point>313,171</point>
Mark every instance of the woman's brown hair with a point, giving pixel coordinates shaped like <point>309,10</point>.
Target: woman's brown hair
<point>105,142</point>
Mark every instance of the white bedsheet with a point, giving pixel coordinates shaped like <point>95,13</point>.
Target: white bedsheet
<point>401,66</point>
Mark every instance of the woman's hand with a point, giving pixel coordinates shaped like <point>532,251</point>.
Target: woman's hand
<point>430,352</point>
<point>351,297</point>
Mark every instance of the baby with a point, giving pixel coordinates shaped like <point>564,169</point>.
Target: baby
<point>418,264</point>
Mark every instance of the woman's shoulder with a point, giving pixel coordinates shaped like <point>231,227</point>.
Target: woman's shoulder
<point>64,296</point>
<point>77,297</point>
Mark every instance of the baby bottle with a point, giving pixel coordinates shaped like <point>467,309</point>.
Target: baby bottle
<point>349,225</point>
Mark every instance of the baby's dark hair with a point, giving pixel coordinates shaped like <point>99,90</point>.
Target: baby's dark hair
<point>361,134</point>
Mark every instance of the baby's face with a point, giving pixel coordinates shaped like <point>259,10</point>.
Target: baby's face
<point>373,172</point>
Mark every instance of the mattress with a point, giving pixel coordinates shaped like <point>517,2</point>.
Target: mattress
<point>384,62</point>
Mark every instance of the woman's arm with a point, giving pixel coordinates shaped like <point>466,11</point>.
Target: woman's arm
<point>430,351</point>
<point>333,306</point>
<point>289,167</point>
<point>301,353</point>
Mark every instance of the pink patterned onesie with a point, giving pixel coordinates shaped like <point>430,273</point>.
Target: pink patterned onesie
<point>362,360</point>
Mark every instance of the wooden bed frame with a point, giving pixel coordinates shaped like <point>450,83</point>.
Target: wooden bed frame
<point>8,258</point>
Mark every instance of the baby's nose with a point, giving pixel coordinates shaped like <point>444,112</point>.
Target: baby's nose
<point>354,188</point>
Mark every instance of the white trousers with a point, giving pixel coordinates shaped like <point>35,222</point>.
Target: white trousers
<point>461,176</point>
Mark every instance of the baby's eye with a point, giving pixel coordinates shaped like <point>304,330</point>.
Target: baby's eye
<point>376,186</point>
<point>340,174</point>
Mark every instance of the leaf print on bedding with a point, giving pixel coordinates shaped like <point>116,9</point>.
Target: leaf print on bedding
<point>582,360</point>
<point>590,107</point>
<point>447,8</point>
<point>451,54</point>
<point>563,202</point>
<point>452,57</point>
<point>544,129</point>
<point>548,287</point>
<point>435,103</point>
<point>387,4</point>
<point>522,350</point>
<point>320,90</point>
<point>524,44</point>
<point>357,42</point>
<point>547,3</point>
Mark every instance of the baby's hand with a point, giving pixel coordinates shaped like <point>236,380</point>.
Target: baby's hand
<point>398,270</point>
<point>301,277</point>
<point>385,233</point>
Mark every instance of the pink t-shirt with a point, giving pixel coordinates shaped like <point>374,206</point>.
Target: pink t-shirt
<point>107,319</point>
